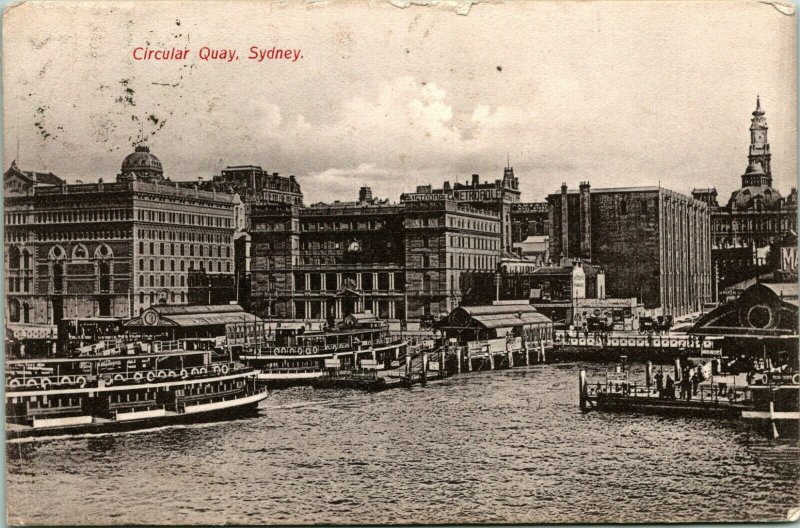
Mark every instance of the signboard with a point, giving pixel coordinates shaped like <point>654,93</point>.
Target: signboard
<point>332,363</point>
<point>428,343</point>
<point>433,365</point>
<point>497,346</point>
<point>369,364</point>
<point>613,377</point>
<point>476,347</point>
<point>789,259</point>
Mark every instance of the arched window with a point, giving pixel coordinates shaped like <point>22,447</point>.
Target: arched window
<point>161,264</point>
<point>13,311</point>
<point>26,313</point>
<point>141,297</point>
<point>152,265</point>
<point>219,266</point>
<point>172,280</point>
<point>152,297</point>
<point>13,257</point>
<point>141,281</point>
<point>103,252</point>
<point>26,259</point>
<point>152,282</point>
<point>228,266</point>
<point>80,252</point>
<point>163,281</point>
<point>182,265</point>
<point>141,264</point>
<point>172,265</point>
<point>183,280</point>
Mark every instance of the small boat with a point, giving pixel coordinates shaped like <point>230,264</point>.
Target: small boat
<point>129,386</point>
<point>292,355</point>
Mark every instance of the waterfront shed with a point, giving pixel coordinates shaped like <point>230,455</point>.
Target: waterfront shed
<point>507,319</point>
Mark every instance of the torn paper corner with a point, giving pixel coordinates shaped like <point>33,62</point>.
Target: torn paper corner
<point>784,7</point>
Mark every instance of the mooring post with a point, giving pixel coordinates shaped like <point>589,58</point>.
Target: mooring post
<point>491,359</point>
<point>541,350</point>
<point>582,388</point>
<point>424,367</point>
<point>649,373</point>
<point>677,369</point>
<point>527,353</point>
<point>510,358</point>
<point>469,361</point>
<point>458,358</point>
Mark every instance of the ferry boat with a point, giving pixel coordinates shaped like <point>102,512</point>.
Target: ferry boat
<point>127,386</point>
<point>291,354</point>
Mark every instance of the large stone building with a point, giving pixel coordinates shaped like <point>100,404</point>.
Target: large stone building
<point>755,217</point>
<point>654,244</point>
<point>108,250</point>
<point>399,261</point>
<point>529,219</point>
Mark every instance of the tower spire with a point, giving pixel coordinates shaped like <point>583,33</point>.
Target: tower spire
<point>758,111</point>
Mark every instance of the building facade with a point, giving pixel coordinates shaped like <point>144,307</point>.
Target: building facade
<point>755,217</point>
<point>654,244</point>
<point>529,219</point>
<point>109,250</point>
<point>398,261</point>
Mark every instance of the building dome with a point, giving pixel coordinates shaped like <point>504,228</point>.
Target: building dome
<point>755,169</point>
<point>141,165</point>
<point>755,196</point>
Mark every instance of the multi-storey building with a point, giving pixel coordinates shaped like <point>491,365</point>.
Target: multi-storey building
<point>497,198</point>
<point>756,216</point>
<point>399,261</point>
<point>529,219</point>
<point>109,249</point>
<point>654,244</point>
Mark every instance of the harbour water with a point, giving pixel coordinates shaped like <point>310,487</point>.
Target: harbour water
<point>504,446</point>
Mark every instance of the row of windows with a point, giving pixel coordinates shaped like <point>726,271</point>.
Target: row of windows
<point>381,281</point>
<point>183,236</point>
<point>202,251</point>
<point>162,281</point>
<point>343,225</point>
<point>21,285</point>
<point>82,235</point>
<point>147,215</point>
<point>754,225</point>
<point>458,241</point>
<point>88,215</point>
<point>16,218</point>
<point>162,265</point>
<point>173,297</point>
<point>477,225</point>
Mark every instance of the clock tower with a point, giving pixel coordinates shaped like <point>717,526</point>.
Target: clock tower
<point>759,145</point>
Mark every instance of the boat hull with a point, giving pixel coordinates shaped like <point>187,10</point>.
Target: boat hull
<point>240,408</point>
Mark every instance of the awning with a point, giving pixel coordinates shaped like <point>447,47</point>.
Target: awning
<point>510,320</point>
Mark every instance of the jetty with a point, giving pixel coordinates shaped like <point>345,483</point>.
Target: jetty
<point>755,377</point>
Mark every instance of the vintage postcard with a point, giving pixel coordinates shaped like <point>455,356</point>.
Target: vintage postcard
<point>400,262</point>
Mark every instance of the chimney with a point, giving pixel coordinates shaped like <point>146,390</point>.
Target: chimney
<point>564,221</point>
<point>586,220</point>
<point>476,179</point>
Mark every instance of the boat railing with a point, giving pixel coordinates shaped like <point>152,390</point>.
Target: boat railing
<point>711,393</point>
<point>107,379</point>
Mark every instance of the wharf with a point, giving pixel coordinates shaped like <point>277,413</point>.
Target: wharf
<point>573,346</point>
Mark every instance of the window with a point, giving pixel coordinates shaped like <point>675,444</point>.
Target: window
<point>141,282</point>
<point>152,282</point>
<point>104,271</point>
<point>58,278</point>
<point>14,258</point>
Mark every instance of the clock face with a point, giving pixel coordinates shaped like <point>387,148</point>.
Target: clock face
<point>150,318</point>
<point>354,246</point>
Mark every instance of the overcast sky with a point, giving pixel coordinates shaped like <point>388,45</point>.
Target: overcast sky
<point>617,93</point>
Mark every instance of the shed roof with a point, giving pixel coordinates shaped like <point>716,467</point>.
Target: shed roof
<point>504,316</point>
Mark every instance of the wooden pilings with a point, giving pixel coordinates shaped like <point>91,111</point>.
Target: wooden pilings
<point>458,359</point>
<point>678,374</point>
<point>649,373</point>
<point>582,388</point>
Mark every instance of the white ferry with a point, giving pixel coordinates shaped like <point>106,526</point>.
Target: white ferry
<point>127,386</point>
<point>290,354</point>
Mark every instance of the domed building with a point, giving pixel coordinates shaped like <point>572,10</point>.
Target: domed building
<point>756,216</point>
<point>756,192</point>
<point>141,165</point>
